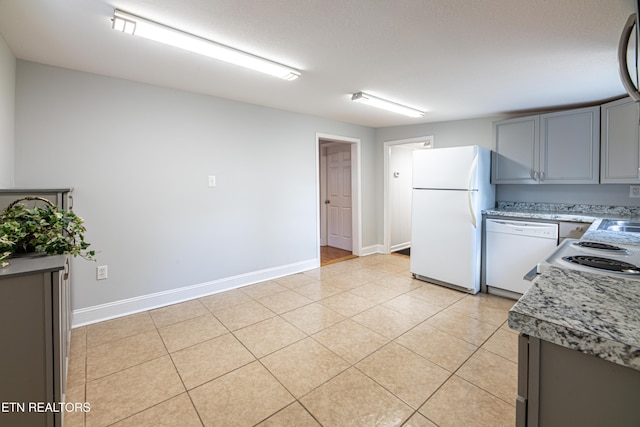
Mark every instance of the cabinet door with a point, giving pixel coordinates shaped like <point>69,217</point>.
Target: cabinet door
<point>515,160</point>
<point>26,357</point>
<point>61,327</point>
<point>569,147</point>
<point>620,143</point>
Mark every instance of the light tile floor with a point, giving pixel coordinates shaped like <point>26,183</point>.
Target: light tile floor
<point>357,343</point>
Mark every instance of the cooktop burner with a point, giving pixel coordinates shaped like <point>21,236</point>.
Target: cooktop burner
<point>605,264</point>
<point>601,247</point>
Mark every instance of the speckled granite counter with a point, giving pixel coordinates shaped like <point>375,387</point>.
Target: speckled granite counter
<point>593,314</point>
<point>546,215</point>
<point>613,237</point>
<point>590,313</point>
<point>562,212</point>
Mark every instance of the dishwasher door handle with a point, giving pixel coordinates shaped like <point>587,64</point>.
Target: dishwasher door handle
<point>531,274</point>
<point>522,224</point>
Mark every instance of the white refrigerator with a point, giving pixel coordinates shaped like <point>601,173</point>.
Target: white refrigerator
<point>451,187</point>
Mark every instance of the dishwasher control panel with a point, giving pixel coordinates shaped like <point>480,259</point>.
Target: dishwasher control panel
<point>524,228</point>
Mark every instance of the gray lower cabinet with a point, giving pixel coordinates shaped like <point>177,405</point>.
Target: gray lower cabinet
<point>35,326</point>
<point>558,386</point>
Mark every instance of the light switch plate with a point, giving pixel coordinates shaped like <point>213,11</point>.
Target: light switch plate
<point>634,191</point>
<point>428,141</point>
<point>212,181</point>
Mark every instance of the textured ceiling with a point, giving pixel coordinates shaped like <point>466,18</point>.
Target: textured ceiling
<point>455,59</point>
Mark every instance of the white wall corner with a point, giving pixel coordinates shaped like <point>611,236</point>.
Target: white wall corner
<point>371,250</point>
<point>7,115</point>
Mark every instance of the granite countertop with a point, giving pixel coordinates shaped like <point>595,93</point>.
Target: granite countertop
<point>591,313</point>
<point>546,215</point>
<point>612,237</point>
<point>562,212</point>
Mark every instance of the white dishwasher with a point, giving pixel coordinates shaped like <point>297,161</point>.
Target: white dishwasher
<point>513,248</point>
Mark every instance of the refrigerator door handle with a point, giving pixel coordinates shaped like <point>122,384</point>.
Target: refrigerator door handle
<point>627,82</point>
<point>472,171</point>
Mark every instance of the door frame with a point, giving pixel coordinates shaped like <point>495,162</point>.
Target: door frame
<point>386,196</point>
<point>356,206</point>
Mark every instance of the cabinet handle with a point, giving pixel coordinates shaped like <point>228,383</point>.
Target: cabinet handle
<point>541,176</point>
<point>534,175</point>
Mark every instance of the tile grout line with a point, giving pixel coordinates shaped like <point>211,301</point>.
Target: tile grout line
<point>139,364</point>
<point>390,340</point>
<point>350,365</point>
<point>307,335</point>
<point>461,365</point>
<point>353,365</point>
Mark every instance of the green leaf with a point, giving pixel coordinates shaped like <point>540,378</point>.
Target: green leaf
<point>47,229</point>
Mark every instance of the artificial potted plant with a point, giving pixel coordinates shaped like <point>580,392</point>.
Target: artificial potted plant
<point>44,230</point>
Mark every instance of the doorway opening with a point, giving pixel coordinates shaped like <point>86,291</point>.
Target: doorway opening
<point>331,255</point>
<point>398,165</point>
<point>339,221</point>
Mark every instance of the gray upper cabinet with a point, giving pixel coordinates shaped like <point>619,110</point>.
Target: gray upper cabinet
<point>620,143</point>
<point>553,148</point>
<point>517,149</point>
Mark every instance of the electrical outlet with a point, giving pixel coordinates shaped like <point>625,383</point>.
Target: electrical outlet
<point>102,272</point>
<point>634,191</point>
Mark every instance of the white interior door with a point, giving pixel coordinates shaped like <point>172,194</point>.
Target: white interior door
<point>339,197</point>
<point>397,191</point>
<point>399,184</point>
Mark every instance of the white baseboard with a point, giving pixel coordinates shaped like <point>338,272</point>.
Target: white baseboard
<point>400,246</point>
<point>373,249</point>
<point>99,313</point>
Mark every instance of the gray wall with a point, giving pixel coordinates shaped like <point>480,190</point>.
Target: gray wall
<point>7,114</point>
<point>139,156</point>
<point>445,134</point>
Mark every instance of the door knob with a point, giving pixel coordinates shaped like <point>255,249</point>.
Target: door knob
<point>326,202</point>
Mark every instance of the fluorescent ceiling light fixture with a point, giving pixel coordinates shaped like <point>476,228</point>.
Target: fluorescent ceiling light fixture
<point>374,101</point>
<point>137,26</point>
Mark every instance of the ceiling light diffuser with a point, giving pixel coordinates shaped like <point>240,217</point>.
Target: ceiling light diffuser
<point>374,101</point>
<point>138,26</point>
